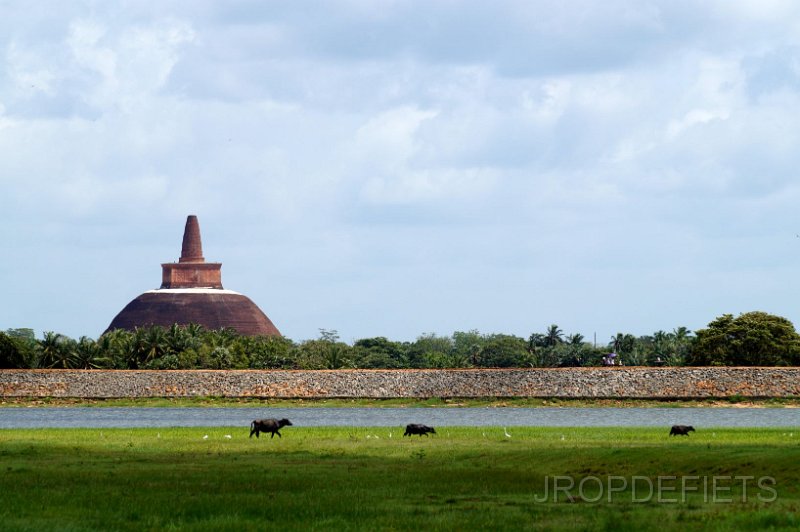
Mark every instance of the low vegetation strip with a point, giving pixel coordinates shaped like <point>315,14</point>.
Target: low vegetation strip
<point>751,339</point>
<point>375,479</point>
<point>600,383</point>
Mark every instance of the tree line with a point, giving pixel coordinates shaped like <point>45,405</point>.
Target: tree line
<point>754,338</point>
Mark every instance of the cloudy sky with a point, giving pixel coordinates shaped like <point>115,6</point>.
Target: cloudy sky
<point>404,167</point>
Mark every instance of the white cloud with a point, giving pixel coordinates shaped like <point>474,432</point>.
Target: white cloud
<point>543,158</point>
<point>549,102</point>
<point>692,118</point>
<point>390,136</point>
<point>413,186</point>
<point>29,71</point>
<point>132,64</point>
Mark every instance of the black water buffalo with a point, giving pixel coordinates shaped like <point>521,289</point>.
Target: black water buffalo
<point>415,428</point>
<point>681,430</point>
<point>268,425</point>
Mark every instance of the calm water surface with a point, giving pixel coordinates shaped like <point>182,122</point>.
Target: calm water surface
<point>67,417</point>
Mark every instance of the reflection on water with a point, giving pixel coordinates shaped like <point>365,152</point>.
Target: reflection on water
<point>386,417</point>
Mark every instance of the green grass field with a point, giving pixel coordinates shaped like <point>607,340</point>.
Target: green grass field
<point>374,479</point>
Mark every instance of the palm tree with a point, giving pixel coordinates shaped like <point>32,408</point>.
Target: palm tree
<point>536,340</point>
<point>681,341</point>
<point>575,339</point>
<point>179,338</point>
<point>223,337</point>
<point>147,344</point>
<point>119,347</point>
<point>195,332</point>
<point>88,354</point>
<point>55,351</point>
<point>474,356</point>
<point>622,343</point>
<point>616,342</point>
<point>155,344</point>
<point>661,344</point>
<point>553,336</point>
<point>681,333</point>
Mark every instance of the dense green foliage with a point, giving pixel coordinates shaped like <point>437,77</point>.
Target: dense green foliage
<point>754,338</point>
<point>17,348</point>
<point>363,479</point>
<point>193,347</point>
<point>751,339</point>
<point>9,352</point>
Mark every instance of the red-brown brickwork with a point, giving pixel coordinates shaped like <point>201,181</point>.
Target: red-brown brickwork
<point>191,292</point>
<point>192,248</point>
<point>191,275</point>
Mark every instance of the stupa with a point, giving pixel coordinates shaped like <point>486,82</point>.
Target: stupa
<point>191,292</point>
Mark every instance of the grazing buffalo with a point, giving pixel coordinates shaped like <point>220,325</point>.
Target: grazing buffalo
<point>415,428</point>
<point>268,425</point>
<point>681,430</point>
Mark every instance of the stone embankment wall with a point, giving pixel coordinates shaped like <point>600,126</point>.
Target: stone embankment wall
<point>630,382</point>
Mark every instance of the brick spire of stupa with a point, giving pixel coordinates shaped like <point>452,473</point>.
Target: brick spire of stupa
<point>191,270</point>
<point>192,249</point>
<point>191,292</point>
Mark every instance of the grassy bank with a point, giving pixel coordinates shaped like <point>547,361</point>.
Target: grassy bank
<point>374,479</point>
<point>529,402</point>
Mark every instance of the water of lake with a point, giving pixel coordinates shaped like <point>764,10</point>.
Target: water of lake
<point>67,417</point>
